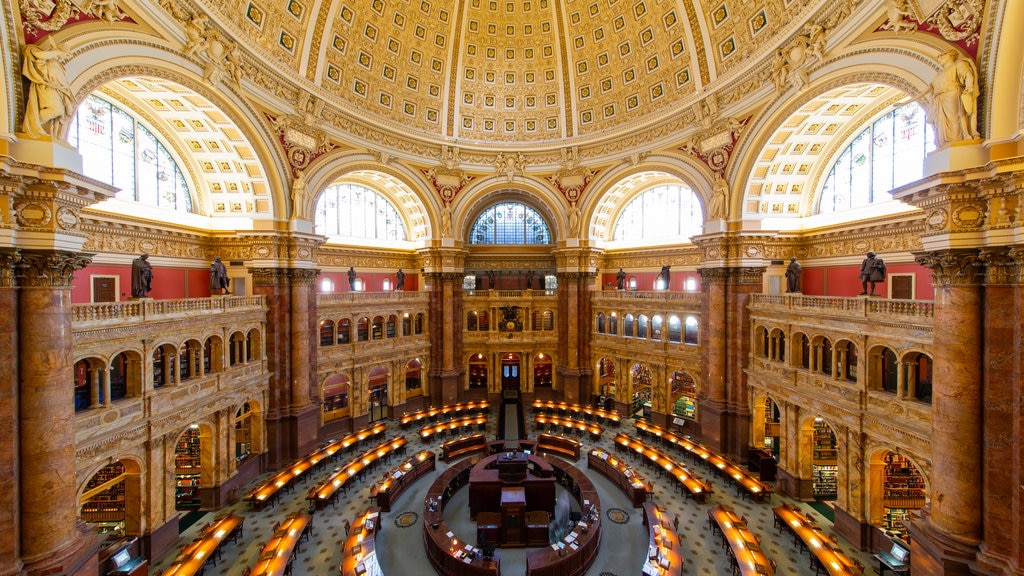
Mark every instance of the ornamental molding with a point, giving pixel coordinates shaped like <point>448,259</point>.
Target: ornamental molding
<point>734,276</point>
<point>953,267</point>
<point>44,269</point>
<point>283,276</point>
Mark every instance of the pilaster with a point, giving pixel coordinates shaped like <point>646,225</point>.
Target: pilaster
<point>724,333</point>
<point>292,420</point>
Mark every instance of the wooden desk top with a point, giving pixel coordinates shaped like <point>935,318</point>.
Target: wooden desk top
<point>627,472</point>
<point>750,557</point>
<point>588,427</point>
<point>194,556</point>
<point>359,546</point>
<point>737,473</point>
<point>335,481</point>
<point>611,416</point>
<point>431,429</point>
<point>278,550</point>
<point>664,541</point>
<point>681,473</point>
<point>831,557</point>
<point>444,410</point>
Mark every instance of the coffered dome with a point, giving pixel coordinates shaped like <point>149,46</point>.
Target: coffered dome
<point>515,71</point>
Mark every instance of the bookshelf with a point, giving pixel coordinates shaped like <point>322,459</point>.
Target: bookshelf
<point>892,523</point>
<point>104,497</point>
<point>823,446</point>
<point>904,485</point>
<point>187,469</point>
<point>684,390</point>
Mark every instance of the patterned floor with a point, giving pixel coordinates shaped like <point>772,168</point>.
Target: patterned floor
<point>401,544</point>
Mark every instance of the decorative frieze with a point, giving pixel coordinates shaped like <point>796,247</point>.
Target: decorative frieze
<point>283,276</point>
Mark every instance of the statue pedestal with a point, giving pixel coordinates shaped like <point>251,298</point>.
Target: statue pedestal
<point>956,156</point>
<point>46,151</point>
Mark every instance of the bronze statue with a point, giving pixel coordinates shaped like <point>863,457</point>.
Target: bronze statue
<point>872,269</point>
<point>352,278</point>
<point>142,276</point>
<point>620,280</point>
<point>219,280</point>
<point>399,280</point>
<point>793,273</point>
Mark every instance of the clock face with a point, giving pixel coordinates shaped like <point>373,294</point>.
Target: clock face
<point>510,325</point>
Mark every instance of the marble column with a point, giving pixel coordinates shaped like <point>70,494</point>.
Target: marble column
<point>947,538</point>
<point>445,319</point>
<point>291,337</point>
<point>725,335</point>
<point>50,538</point>
<point>10,472</point>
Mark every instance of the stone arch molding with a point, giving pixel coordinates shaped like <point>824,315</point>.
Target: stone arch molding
<point>403,187</point>
<point>533,192</point>
<point>104,62</point>
<point>905,71</point>
<point>615,189</point>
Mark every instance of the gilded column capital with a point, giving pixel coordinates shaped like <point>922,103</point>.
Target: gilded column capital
<point>41,268</point>
<point>9,260</point>
<point>438,278</point>
<point>953,267</point>
<point>565,277</point>
<point>732,275</point>
<point>1002,264</point>
<point>284,276</point>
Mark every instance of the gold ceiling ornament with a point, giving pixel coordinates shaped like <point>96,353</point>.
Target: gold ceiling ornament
<point>714,145</point>
<point>796,58</point>
<point>207,43</point>
<point>302,142</point>
<point>510,164</point>
<point>52,15</point>
<point>572,179</point>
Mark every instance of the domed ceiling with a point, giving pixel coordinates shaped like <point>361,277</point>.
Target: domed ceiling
<point>515,71</point>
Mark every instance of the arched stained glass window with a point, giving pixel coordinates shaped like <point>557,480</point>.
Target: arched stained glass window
<point>886,155</point>
<point>120,151</point>
<point>510,223</point>
<point>355,211</point>
<point>663,212</point>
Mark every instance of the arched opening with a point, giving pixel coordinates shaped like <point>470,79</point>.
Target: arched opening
<point>414,378</point>
<point>542,372</point>
<point>112,500</point>
<point>675,330</point>
<point>510,371</point>
<point>600,323</point>
<point>335,395</point>
<point>640,378</point>
<point>824,461</point>
<point>164,359</point>
<point>344,331</point>
<point>641,327</point>
<point>692,329</point>
<point>613,324</point>
<point>377,387</point>
<point>771,417</point>
<point>478,371</point>
<point>327,333</point>
<point>897,489</point>
<point>244,424</point>
<point>684,396</point>
<point>188,470</point>
<point>84,386</point>
<point>606,387</point>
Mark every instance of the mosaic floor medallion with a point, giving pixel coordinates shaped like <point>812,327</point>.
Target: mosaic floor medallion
<point>406,519</point>
<point>617,515</point>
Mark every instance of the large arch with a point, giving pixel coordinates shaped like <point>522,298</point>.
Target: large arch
<point>903,73</point>
<point>105,64</point>
<point>538,196</point>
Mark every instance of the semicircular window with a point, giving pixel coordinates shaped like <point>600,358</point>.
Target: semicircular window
<point>663,212</point>
<point>117,149</point>
<point>510,223</point>
<point>886,155</point>
<point>355,211</point>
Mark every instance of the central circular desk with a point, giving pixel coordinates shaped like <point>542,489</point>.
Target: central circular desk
<point>571,556</point>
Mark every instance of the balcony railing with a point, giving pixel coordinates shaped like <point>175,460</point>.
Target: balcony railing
<point>141,311</point>
<point>369,297</point>
<point>653,295</point>
<point>497,294</point>
<point>869,308</point>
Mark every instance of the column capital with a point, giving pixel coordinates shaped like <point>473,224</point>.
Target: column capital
<point>1003,265</point>
<point>44,268</point>
<point>953,267</point>
<point>438,278</point>
<point>575,276</point>
<point>284,276</point>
